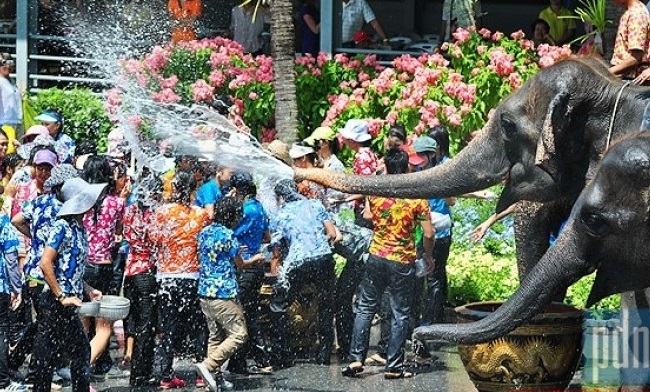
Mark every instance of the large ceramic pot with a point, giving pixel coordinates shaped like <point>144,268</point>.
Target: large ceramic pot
<point>540,355</point>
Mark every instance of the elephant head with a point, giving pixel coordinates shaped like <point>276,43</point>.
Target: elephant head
<point>544,140</point>
<point>608,231</point>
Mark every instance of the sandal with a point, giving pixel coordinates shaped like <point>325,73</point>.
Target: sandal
<point>375,360</point>
<point>395,375</point>
<point>352,371</point>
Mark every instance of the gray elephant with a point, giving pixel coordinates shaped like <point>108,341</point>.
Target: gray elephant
<point>608,231</point>
<point>545,140</point>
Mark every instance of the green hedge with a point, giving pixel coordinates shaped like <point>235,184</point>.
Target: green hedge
<point>82,110</point>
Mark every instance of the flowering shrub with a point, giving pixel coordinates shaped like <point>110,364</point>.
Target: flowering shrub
<point>198,71</point>
<point>457,87</point>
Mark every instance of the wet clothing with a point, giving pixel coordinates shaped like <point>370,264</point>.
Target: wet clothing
<point>101,228</point>
<point>208,193</point>
<point>11,280</point>
<point>137,223</point>
<point>250,230</point>
<point>174,234</point>
<point>300,223</point>
<point>141,289</point>
<point>40,213</point>
<point>395,221</point>
<point>217,250</point>
<point>68,238</point>
<point>365,162</point>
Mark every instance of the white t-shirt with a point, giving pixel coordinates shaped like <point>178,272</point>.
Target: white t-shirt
<point>11,105</point>
<point>355,14</point>
<point>246,31</point>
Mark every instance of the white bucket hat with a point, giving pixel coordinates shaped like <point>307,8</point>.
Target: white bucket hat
<point>298,151</point>
<point>356,130</point>
<point>79,196</point>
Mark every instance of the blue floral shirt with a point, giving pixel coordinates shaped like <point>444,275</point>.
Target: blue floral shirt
<point>68,238</point>
<point>10,276</point>
<point>64,147</point>
<point>300,223</point>
<point>217,249</point>
<point>251,228</point>
<point>40,213</point>
<point>208,193</point>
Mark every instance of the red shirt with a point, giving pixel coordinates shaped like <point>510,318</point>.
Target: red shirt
<point>137,223</point>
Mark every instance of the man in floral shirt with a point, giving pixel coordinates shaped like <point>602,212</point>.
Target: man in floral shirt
<point>219,253</point>
<point>632,43</point>
<point>390,266</point>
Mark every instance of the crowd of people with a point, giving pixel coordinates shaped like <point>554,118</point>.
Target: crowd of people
<point>192,249</point>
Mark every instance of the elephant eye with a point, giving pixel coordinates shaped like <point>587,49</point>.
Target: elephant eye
<point>508,127</point>
<point>595,223</point>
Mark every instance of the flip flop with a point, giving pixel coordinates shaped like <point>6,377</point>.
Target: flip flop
<point>395,376</point>
<point>352,371</point>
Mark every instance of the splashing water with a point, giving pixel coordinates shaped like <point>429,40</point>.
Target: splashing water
<point>148,126</point>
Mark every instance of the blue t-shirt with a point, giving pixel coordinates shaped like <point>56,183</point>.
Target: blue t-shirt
<point>68,238</point>
<point>40,213</point>
<point>441,206</point>
<point>217,248</point>
<point>208,193</point>
<point>252,226</point>
<point>10,279</point>
<point>300,223</point>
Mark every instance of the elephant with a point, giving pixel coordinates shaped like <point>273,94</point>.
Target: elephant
<point>608,231</point>
<point>545,140</point>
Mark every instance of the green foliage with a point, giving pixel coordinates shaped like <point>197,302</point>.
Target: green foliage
<point>83,113</point>
<point>487,271</point>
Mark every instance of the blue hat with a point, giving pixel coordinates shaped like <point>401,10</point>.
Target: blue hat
<point>356,130</point>
<point>49,117</point>
<point>425,144</point>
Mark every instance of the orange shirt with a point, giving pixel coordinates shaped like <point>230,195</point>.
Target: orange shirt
<point>189,9</point>
<point>394,222</point>
<point>174,234</point>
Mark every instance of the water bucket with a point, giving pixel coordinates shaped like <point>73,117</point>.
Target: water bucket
<point>113,307</point>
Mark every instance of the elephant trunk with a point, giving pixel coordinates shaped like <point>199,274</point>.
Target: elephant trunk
<point>481,164</point>
<point>562,266</point>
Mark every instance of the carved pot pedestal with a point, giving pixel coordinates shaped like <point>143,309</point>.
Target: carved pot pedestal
<point>541,355</point>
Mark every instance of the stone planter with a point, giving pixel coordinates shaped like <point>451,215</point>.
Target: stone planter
<point>540,355</point>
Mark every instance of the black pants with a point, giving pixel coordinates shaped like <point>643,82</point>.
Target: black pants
<point>60,329</point>
<point>433,309</point>
<point>320,271</point>
<point>250,281</point>
<point>4,339</point>
<point>24,342</point>
<point>346,287</point>
<point>398,279</point>
<point>179,315</point>
<point>142,291</point>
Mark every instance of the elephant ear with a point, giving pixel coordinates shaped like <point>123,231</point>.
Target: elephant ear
<point>616,277</point>
<point>556,121</point>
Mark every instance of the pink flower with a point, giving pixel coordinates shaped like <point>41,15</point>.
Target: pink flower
<point>217,78</point>
<point>498,36</point>
<point>515,80</point>
<point>461,35</point>
<point>481,49</point>
<point>135,120</point>
<point>485,33</point>
<point>170,82</point>
<point>252,95</point>
<point>374,126</point>
<point>392,117</point>
<point>268,135</point>
<point>455,120</point>
<point>157,59</point>
<point>165,96</point>
<point>517,35</point>
<point>202,91</point>
<point>341,58</point>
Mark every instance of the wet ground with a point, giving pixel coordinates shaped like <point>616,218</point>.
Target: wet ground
<point>446,373</point>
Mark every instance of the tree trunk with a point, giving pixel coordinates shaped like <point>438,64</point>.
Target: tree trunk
<point>613,12</point>
<point>283,53</point>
